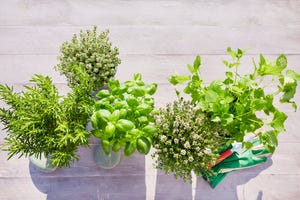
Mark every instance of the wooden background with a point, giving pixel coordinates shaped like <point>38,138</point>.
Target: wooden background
<point>155,38</point>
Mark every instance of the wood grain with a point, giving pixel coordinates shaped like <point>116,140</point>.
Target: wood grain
<point>157,39</point>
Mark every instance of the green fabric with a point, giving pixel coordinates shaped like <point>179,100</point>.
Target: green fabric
<point>247,159</point>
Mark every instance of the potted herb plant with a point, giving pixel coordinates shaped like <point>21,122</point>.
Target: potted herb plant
<point>225,110</point>
<point>122,118</point>
<point>40,123</point>
<point>94,52</point>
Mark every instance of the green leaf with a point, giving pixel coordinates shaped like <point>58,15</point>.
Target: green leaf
<point>278,121</point>
<point>117,146</point>
<point>124,125</point>
<point>113,84</point>
<point>103,93</point>
<point>239,53</point>
<point>197,63</point>
<point>262,60</point>
<point>281,61</point>
<point>105,146</point>
<point>137,77</point>
<point>248,145</point>
<point>114,116</point>
<point>144,109</point>
<point>225,62</point>
<point>138,92</point>
<point>178,79</point>
<point>191,68</point>
<point>143,119</point>
<point>269,139</point>
<point>229,75</point>
<point>132,101</point>
<point>143,145</point>
<point>211,96</point>
<point>102,115</point>
<point>151,89</point>
<point>292,74</point>
<point>150,129</point>
<point>109,130</point>
<point>130,148</point>
<point>231,52</point>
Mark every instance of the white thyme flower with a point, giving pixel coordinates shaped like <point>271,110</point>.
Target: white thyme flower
<point>197,149</point>
<point>207,151</point>
<point>163,138</point>
<point>194,143</point>
<point>187,145</point>
<point>195,136</point>
<point>191,159</point>
<point>199,154</point>
<point>175,155</point>
<point>183,152</point>
<point>176,141</point>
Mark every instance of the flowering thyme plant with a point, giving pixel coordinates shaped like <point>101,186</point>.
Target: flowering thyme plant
<point>186,140</point>
<point>94,52</point>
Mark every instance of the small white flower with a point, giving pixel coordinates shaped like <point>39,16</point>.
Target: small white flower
<point>185,162</point>
<point>207,151</point>
<point>175,155</point>
<point>200,154</point>
<point>195,136</point>
<point>197,149</point>
<point>183,152</point>
<point>163,138</point>
<point>187,145</point>
<point>191,159</point>
<point>176,141</point>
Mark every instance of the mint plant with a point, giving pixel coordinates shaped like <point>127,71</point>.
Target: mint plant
<point>122,116</point>
<point>242,103</point>
<point>39,121</point>
<point>94,52</point>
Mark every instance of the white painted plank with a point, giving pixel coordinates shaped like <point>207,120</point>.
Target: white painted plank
<point>19,189</point>
<point>157,39</point>
<point>204,13</point>
<point>273,187</point>
<point>154,68</point>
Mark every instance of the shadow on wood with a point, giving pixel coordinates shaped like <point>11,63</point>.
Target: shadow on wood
<point>85,180</point>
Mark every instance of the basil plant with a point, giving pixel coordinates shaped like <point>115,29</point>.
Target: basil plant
<point>122,116</point>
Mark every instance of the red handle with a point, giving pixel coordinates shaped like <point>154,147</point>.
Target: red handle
<point>222,157</point>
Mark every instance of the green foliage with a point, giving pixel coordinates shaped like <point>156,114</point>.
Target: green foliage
<point>122,116</point>
<point>187,140</point>
<point>94,52</point>
<point>39,121</point>
<point>236,101</point>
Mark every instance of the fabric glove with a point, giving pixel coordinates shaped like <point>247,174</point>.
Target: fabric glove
<point>247,159</point>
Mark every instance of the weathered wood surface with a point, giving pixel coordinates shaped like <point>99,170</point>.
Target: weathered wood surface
<point>156,38</point>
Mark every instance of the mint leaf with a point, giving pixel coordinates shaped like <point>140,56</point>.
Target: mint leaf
<point>269,139</point>
<point>278,121</point>
<point>292,74</point>
<point>197,63</point>
<point>178,79</point>
<point>281,61</point>
<point>211,96</point>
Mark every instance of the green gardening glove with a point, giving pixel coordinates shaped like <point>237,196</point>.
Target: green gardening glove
<point>247,159</point>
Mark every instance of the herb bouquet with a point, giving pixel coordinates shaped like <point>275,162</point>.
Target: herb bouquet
<point>192,133</point>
